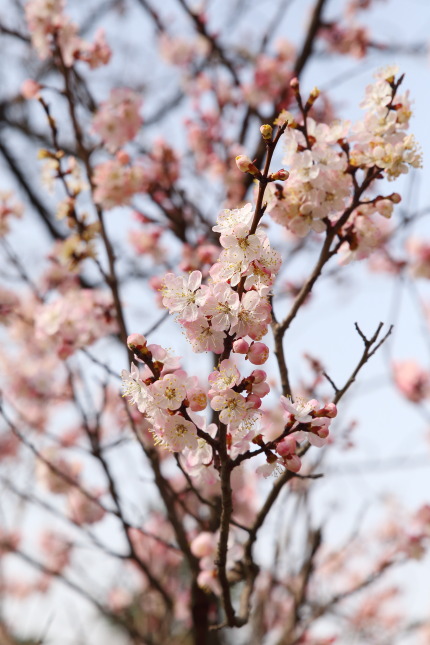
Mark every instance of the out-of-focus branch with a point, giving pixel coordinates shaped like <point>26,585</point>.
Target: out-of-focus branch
<point>33,198</point>
<point>116,618</point>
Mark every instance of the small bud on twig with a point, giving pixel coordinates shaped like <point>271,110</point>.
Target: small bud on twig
<point>279,175</point>
<point>266,131</point>
<point>245,164</point>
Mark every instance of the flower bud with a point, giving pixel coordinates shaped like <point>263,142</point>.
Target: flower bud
<point>330,410</point>
<point>261,389</point>
<point>321,431</point>
<point>245,164</point>
<point>255,400</point>
<point>294,84</point>
<point>266,131</point>
<point>293,463</point>
<point>259,376</point>
<point>395,198</point>
<point>136,341</point>
<point>258,353</point>
<point>287,447</point>
<point>240,346</point>
<point>280,175</point>
<point>312,98</point>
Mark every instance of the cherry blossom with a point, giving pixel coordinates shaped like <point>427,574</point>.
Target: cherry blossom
<point>232,407</point>
<point>169,392</point>
<point>203,337</point>
<point>222,306</point>
<point>118,120</point>
<point>183,296</point>
<point>177,433</point>
<point>224,378</point>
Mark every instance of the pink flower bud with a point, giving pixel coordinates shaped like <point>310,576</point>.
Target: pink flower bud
<point>255,400</point>
<point>245,164</point>
<point>261,389</point>
<point>259,376</point>
<point>287,447</point>
<point>240,346</point>
<point>293,463</point>
<point>258,353</point>
<point>280,175</point>
<point>330,410</point>
<point>136,341</point>
<point>30,89</point>
<point>321,431</point>
<point>294,83</point>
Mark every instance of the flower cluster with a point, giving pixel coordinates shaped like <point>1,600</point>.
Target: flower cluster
<point>164,394</point>
<point>303,420</point>
<point>170,399</point>
<point>381,138</point>
<point>51,28</point>
<point>320,157</point>
<point>75,320</point>
<point>118,119</point>
<point>317,164</point>
<point>210,312</point>
<point>116,182</point>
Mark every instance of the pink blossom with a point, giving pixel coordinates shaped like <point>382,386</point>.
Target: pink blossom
<point>254,316</point>
<point>183,296</point>
<point>229,220</point>
<point>241,245</point>
<point>169,392</point>
<point>118,119</point>
<point>57,550</point>
<point>177,433</point>
<point>254,401</point>
<point>226,377</point>
<point>97,53</point>
<point>9,445</point>
<point>203,544</point>
<point>198,462</point>
<point>203,337</point>
<point>287,446</point>
<point>412,380</point>
<point>76,319</point>
<point>231,406</point>
<point>115,183</point>
<point>197,400</point>
<point>222,306</point>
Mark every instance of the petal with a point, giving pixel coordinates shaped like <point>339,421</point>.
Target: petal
<point>194,280</point>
